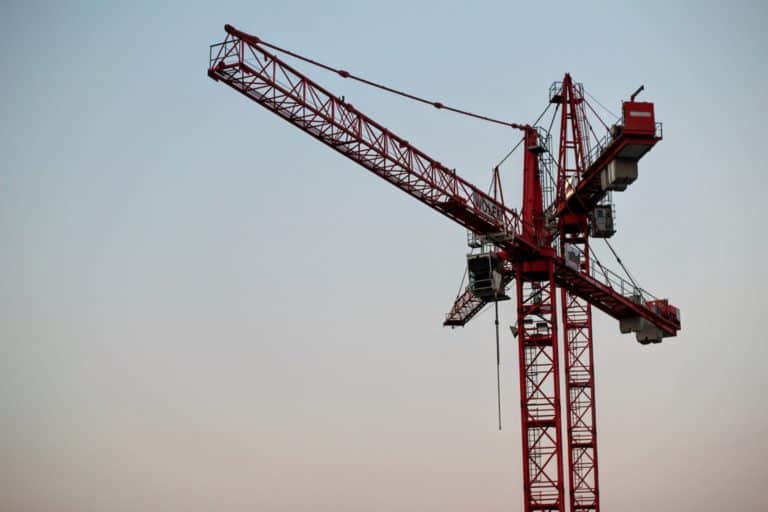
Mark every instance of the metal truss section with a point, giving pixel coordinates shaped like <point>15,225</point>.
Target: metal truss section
<point>572,131</point>
<point>255,72</point>
<point>540,393</point>
<point>466,306</point>
<point>580,393</point>
<point>576,310</point>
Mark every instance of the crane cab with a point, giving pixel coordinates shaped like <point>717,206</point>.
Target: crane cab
<point>486,278</point>
<point>601,221</point>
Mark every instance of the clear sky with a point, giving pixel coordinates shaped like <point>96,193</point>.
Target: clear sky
<point>203,309</point>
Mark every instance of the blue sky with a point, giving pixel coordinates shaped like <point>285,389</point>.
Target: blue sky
<point>201,308</point>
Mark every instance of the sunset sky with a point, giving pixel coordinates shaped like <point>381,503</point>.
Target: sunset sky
<point>202,308</point>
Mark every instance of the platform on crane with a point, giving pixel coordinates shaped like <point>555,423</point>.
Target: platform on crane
<point>486,276</point>
<point>635,308</point>
<point>612,162</point>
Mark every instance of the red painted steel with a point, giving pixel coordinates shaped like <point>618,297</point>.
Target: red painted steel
<point>628,140</point>
<point>261,76</point>
<point>539,387</point>
<point>571,155</point>
<point>538,358</point>
<point>466,306</point>
<point>580,404</point>
<point>533,210</point>
<point>243,63</point>
<point>639,117</point>
<point>576,312</point>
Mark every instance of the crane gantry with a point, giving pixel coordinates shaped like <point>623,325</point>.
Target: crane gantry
<point>543,248</point>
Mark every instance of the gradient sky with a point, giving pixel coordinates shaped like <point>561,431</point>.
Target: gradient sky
<point>203,309</point>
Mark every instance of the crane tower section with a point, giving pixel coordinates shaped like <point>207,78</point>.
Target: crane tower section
<point>576,312</point>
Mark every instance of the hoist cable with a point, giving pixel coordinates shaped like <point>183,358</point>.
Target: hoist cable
<point>521,140</point>
<point>600,104</point>
<point>621,263</point>
<point>461,285</point>
<point>597,116</point>
<point>595,259</point>
<point>509,154</point>
<point>346,74</point>
<point>498,362</point>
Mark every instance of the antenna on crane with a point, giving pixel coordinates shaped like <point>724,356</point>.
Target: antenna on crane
<point>638,91</point>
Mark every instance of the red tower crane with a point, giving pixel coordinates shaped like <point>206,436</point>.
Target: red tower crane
<point>544,247</point>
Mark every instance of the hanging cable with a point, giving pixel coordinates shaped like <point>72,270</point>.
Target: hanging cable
<point>595,259</point>
<point>600,104</point>
<point>521,140</point>
<point>552,121</point>
<point>621,263</point>
<point>461,285</point>
<point>498,363</point>
<point>509,154</point>
<point>541,115</point>
<point>514,148</point>
<point>597,116</point>
<point>346,74</point>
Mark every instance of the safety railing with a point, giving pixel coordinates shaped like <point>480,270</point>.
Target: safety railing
<point>624,287</point>
<point>555,89</point>
<point>603,275</point>
<point>613,132</point>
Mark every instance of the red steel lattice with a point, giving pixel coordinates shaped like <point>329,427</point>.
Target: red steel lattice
<point>539,387</point>
<point>243,64</point>
<point>576,312</point>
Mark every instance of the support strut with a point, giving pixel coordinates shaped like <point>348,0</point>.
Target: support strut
<point>577,312</point>
<point>580,396</point>
<point>539,387</point>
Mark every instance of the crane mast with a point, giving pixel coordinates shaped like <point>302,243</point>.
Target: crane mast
<point>581,424</point>
<point>544,247</point>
